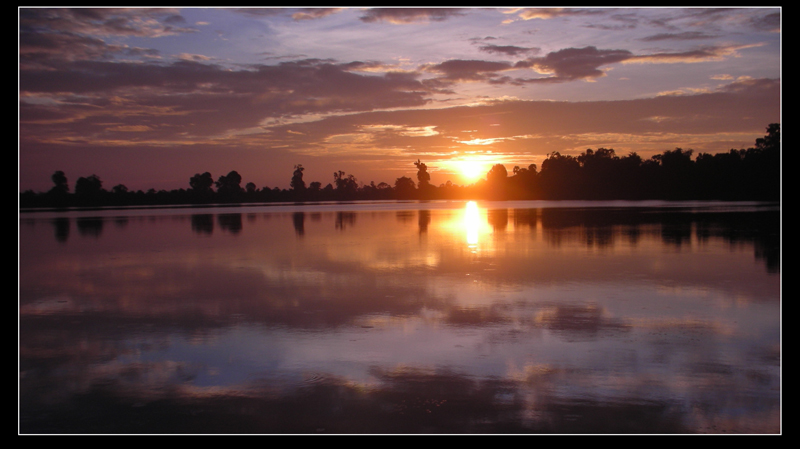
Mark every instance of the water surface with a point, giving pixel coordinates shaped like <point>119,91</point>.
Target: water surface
<point>441,317</point>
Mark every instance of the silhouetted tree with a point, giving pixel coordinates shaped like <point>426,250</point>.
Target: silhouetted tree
<point>404,187</point>
<point>752,174</point>
<point>524,184</point>
<point>60,181</point>
<point>599,179</point>
<point>496,181</point>
<point>423,177</point>
<point>297,183</point>
<point>346,185</point>
<point>560,177</point>
<point>677,174</point>
<point>228,186</point>
<point>772,141</point>
<point>201,183</point>
<point>89,187</point>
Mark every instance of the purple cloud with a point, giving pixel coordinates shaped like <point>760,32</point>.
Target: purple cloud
<point>410,15</point>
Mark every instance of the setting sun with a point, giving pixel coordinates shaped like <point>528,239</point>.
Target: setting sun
<point>470,170</point>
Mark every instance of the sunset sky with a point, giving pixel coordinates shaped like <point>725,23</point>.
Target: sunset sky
<point>149,97</point>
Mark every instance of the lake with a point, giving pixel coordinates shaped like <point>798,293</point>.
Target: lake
<point>402,318</point>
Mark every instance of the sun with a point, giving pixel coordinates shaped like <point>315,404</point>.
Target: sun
<point>472,170</point>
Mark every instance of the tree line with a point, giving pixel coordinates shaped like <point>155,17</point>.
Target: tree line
<point>745,174</point>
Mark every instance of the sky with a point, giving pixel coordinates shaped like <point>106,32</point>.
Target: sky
<point>148,97</point>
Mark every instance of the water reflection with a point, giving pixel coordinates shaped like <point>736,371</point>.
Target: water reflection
<point>472,222</point>
<point>423,220</point>
<point>230,222</point>
<point>502,319</point>
<point>61,226</point>
<point>203,223</point>
<point>90,226</point>
<point>299,220</point>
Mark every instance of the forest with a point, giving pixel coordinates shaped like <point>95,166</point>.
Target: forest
<point>744,174</point>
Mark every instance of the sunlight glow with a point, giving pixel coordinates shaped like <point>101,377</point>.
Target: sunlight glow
<point>472,169</point>
<point>472,222</point>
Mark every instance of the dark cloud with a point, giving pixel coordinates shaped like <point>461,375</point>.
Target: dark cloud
<point>769,22</point>
<point>175,19</point>
<point>708,53</point>
<point>626,21</point>
<point>198,98</point>
<point>571,64</point>
<point>50,36</point>
<point>707,17</point>
<point>467,70</point>
<point>509,50</point>
<point>363,66</point>
<point>104,21</point>
<point>410,15</point>
<point>35,46</point>
<point>574,63</point>
<point>686,35</point>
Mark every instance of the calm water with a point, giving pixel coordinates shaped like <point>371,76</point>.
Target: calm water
<point>521,317</point>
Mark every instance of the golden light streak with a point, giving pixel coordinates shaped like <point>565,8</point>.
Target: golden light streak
<point>472,221</point>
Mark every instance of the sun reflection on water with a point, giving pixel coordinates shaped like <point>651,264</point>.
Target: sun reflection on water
<point>472,222</point>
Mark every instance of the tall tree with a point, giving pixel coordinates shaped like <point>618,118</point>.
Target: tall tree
<point>201,183</point>
<point>89,186</point>
<point>60,181</point>
<point>346,185</point>
<point>229,185</point>
<point>423,176</point>
<point>497,174</point>
<point>404,187</point>
<point>297,183</point>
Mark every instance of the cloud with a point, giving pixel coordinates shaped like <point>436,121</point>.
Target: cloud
<point>573,63</point>
<point>34,46</point>
<point>550,13</point>
<point>770,22</point>
<point>202,99</point>
<point>467,70</point>
<point>708,17</point>
<point>686,35</point>
<point>523,128</point>
<point>509,50</point>
<point>140,22</point>
<point>410,15</point>
<point>193,57</point>
<point>585,63</point>
<point>703,54</point>
<point>55,34</point>
<point>715,18</point>
<point>314,13</point>
<point>684,91</point>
